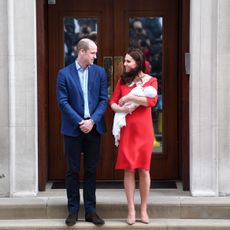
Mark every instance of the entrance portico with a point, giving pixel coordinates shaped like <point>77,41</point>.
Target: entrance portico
<point>209,82</point>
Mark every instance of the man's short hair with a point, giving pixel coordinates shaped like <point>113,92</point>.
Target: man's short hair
<point>84,44</point>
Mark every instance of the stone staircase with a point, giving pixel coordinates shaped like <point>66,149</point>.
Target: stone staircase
<point>168,210</point>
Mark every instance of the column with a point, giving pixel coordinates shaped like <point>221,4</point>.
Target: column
<point>4,102</point>
<point>22,97</point>
<point>223,84</point>
<point>204,98</point>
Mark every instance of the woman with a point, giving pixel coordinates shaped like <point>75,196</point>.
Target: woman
<point>136,138</point>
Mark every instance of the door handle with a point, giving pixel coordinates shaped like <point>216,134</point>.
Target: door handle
<point>114,68</point>
<point>108,65</point>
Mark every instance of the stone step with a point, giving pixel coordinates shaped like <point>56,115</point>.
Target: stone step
<point>155,224</point>
<point>112,207</point>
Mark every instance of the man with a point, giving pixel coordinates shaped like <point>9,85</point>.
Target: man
<point>82,98</point>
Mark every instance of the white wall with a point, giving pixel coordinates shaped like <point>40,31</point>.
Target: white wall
<point>4,102</point>
<point>20,83</point>
<point>209,101</point>
<point>209,98</point>
<point>223,85</point>
<point>203,93</point>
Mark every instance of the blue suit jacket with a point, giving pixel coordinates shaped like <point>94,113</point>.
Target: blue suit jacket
<point>71,102</point>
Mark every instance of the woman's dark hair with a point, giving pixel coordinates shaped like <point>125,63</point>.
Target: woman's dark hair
<point>137,55</point>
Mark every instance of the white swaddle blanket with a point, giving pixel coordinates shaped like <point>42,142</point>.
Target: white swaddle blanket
<point>119,120</point>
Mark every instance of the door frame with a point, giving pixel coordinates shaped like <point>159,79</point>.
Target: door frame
<point>42,82</point>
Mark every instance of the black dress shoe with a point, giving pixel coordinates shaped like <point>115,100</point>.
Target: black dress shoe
<point>71,219</point>
<point>94,218</point>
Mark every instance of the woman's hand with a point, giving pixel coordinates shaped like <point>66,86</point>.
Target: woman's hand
<point>124,99</point>
<point>126,108</point>
<point>129,109</point>
<point>140,100</point>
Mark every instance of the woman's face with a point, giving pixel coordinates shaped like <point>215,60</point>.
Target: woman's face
<point>129,63</point>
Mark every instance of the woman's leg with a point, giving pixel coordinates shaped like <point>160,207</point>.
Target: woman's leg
<point>129,184</point>
<point>144,183</point>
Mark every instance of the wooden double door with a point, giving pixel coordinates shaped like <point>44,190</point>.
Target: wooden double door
<point>153,26</point>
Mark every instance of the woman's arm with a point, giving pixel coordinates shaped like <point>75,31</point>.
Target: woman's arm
<point>140,100</point>
<point>149,99</point>
<point>121,109</point>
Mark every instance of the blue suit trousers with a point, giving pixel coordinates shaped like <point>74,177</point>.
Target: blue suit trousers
<point>88,147</point>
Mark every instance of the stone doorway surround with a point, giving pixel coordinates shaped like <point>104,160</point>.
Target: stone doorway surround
<point>209,98</point>
<point>18,99</point>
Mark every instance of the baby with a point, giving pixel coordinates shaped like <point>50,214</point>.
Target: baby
<point>119,118</point>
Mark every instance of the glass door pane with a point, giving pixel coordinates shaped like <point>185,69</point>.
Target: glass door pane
<point>74,29</point>
<point>146,33</point>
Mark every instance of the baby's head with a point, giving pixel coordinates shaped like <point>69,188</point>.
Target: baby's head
<point>150,91</point>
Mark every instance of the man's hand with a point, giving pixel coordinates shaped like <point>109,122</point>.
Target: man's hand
<point>86,125</point>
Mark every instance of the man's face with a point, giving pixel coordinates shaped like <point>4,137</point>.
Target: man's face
<point>90,54</point>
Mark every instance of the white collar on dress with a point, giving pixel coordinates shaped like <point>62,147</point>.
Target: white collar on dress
<point>144,79</point>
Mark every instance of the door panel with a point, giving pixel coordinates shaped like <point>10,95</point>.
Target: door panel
<point>113,19</point>
<point>57,15</point>
<point>164,162</point>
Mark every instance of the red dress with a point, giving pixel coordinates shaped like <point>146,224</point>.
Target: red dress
<point>136,138</point>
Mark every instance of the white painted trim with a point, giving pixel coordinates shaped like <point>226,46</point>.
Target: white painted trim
<point>36,95</point>
<point>11,68</point>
